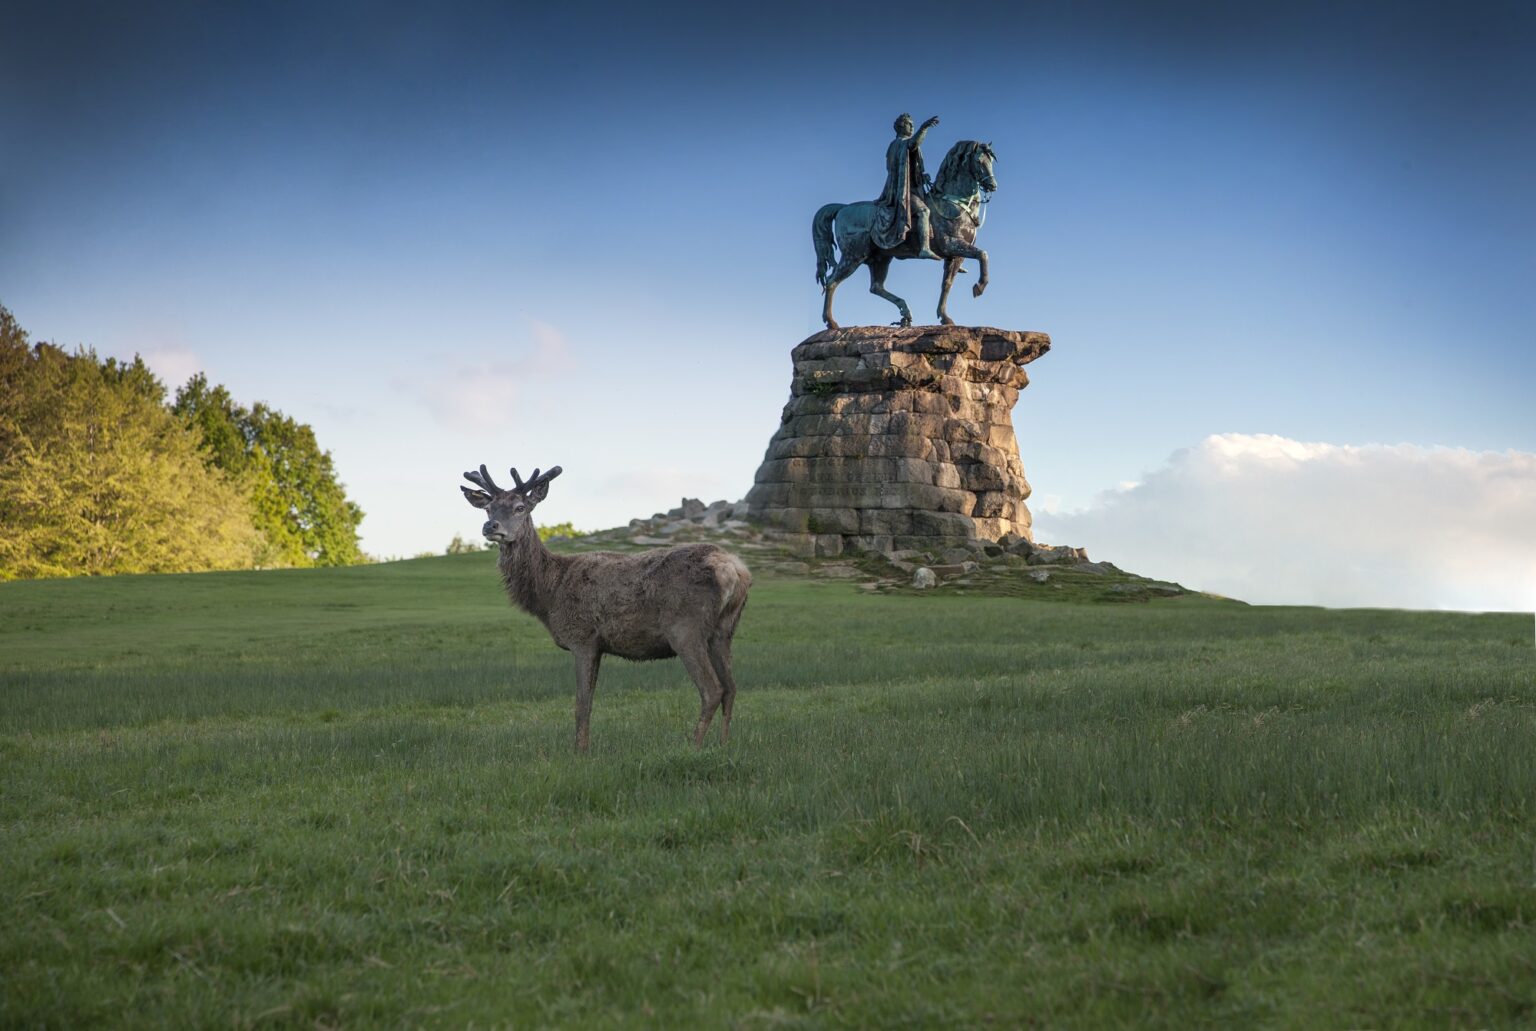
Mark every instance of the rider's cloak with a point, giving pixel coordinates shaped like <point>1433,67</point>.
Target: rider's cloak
<point>903,187</point>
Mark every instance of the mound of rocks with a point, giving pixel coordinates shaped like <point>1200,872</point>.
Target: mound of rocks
<point>1011,565</point>
<point>662,527</point>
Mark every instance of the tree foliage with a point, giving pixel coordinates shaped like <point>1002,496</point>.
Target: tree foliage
<point>98,477</point>
<point>300,509</point>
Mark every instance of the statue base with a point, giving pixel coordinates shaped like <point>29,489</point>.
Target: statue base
<point>899,439</point>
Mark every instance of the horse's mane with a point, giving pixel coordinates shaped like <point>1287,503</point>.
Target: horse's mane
<point>955,163</point>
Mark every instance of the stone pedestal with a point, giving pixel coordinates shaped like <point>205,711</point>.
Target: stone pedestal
<point>899,438</point>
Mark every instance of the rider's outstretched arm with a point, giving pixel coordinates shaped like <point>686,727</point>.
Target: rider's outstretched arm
<point>917,138</point>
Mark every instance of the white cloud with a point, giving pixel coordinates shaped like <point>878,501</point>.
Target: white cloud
<point>1273,520</point>
<point>476,394</point>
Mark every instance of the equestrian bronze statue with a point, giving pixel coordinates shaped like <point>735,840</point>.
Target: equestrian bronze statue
<point>911,219</point>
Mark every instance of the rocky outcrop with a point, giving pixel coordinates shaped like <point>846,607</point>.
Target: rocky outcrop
<point>899,439</point>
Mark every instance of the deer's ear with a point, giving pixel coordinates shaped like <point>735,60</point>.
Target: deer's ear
<point>478,498</point>
<point>540,492</point>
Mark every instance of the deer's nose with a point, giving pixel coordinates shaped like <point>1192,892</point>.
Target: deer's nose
<point>491,526</point>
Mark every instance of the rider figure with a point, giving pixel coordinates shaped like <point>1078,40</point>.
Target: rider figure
<point>905,185</point>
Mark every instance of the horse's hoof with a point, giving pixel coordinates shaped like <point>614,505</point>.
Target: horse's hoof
<point>945,320</point>
<point>977,289</point>
<point>832,324</point>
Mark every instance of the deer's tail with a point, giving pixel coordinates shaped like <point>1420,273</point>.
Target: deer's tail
<point>826,245</point>
<point>735,580</point>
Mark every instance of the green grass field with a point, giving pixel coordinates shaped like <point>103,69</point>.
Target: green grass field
<point>347,798</point>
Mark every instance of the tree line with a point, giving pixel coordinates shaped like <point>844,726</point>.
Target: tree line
<point>102,473</point>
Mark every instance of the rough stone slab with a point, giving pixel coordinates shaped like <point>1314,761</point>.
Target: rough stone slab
<point>828,545</point>
<point>942,524</point>
<point>885,521</point>
<point>922,545</point>
<point>834,521</point>
<point>974,476</point>
<point>990,503</point>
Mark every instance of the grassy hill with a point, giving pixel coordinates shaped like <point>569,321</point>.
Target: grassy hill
<point>347,797</point>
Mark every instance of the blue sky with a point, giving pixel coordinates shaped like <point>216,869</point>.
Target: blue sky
<point>580,235</point>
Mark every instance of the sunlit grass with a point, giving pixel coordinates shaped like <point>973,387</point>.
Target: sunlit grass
<point>348,797</point>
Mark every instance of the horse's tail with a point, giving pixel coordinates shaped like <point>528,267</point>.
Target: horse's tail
<point>821,235</point>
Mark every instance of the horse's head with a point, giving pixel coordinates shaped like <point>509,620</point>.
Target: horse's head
<point>981,167</point>
<point>967,170</point>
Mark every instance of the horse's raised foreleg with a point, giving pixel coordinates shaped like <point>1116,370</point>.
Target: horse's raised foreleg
<point>951,267</point>
<point>963,250</point>
<point>972,251</point>
<point>878,267</point>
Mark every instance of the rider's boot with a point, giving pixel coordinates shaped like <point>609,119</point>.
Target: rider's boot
<point>923,231</point>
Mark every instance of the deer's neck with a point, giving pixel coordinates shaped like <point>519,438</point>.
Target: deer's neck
<point>529,572</point>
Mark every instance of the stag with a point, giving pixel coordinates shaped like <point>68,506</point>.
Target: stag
<point>684,600</point>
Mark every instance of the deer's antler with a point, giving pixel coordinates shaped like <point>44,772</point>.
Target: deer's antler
<point>537,485</point>
<point>483,479</point>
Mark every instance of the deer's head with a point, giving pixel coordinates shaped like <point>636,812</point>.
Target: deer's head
<point>507,511</point>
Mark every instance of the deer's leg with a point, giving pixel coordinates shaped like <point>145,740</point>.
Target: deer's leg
<point>951,266</point>
<point>587,661</point>
<point>720,659</point>
<point>878,267</point>
<point>696,661</point>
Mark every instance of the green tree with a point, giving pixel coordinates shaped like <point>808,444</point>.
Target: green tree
<point>299,507</point>
<point>98,477</point>
<point>460,546</point>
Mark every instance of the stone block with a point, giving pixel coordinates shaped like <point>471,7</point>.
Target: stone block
<point>962,451</point>
<point>801,545</point>
<point>989,529</point>
<point>911,424</point>
<point>885,521</point>
<point>870,543</point>
<point>922,545</point>
<point>912,470</point>
<point>766,495</point>
<point>834,520</point>
<point>925,497</point>
<point>989,504</point>
<point>828,545</point>
<point>832,495</point>
<point>887,445</point>
<point>963,431</point>
<point>942,524</point>
<point>930,403</point>
<point>947,475</point>
<point>793,520</point>
<point>975,476</point>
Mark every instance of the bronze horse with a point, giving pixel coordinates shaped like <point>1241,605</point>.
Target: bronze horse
<point>955,204</point>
